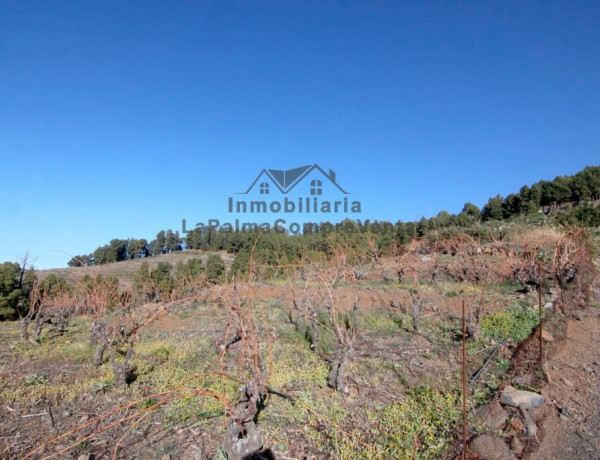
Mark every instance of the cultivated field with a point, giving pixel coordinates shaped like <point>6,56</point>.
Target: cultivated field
<point>355,358</point>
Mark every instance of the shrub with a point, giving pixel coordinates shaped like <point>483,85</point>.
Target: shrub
<point>215,268</point>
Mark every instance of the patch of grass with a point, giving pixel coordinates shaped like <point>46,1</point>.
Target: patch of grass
<point>43,389</point>
<point>73,346</point>
<point>297,365</point>
<point>509,287</point>
<point>187,358</point>
<point>406,284</point>
<point>327,342</point>
<point>69,351</point>
<point>446,332</point>
<point>380,322</point>
<point>162,352</point>
<point>490,381</point>
<point>515,323</point>
<point>148,403</point>
<point>419,426</point>
<point>416,427</point>
<point>446,258</point>
<point>190,409</point>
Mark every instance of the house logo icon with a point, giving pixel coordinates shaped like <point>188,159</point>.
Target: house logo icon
<point>269,180</point>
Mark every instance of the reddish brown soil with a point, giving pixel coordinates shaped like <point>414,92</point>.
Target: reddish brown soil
<point>574,387</point>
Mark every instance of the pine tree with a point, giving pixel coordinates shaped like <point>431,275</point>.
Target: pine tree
<point>157,246</point>
<point>493,209</point>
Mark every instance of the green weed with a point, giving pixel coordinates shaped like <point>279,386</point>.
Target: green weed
<point>515,323</point>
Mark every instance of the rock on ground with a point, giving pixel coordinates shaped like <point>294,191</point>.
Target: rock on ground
<point>520,398</point>
<point>491,414</point>
<point>489,447</point>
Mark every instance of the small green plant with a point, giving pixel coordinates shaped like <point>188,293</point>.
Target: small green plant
<point>100,387</point>
<point>420,426</point>
<point>148,403</point>
<point>35,379</point>
<point>162,352</point>
<point>515,323</point>
<point>81,447</point>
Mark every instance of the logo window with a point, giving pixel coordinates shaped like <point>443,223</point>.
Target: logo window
<point>316,187</point>
<point>264,188</point>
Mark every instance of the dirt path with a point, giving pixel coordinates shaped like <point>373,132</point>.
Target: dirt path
<point>572,429</point>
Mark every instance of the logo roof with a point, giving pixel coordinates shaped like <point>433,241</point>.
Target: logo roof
<point>286,179</point>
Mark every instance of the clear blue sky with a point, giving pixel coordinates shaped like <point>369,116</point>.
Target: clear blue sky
<point>118,119</point>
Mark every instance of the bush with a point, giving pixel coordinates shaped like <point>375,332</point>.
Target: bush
<point>161,277</point>
<point>215,268</point>
<point>586,214</point>
<point>14,290</point>
<point>241,264</point>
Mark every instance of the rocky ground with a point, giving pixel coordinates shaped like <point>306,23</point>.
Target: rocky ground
<point>571,428</point>
<point>560,421</point>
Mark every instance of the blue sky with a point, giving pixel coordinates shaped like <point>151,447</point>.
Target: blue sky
<point>118,119</point>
